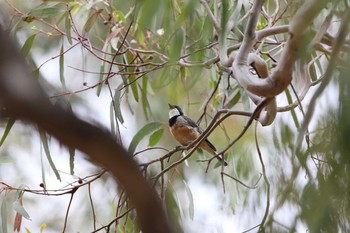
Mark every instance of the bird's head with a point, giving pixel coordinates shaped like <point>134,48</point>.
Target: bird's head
<point>174,110</point>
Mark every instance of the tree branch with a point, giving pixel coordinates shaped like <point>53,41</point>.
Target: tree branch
<point>24,99</point>
<point>282,76</point>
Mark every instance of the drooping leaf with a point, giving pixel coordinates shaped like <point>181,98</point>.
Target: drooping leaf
<point>61,65</point>
<point>4,216</point>
<point>43,177</point>
<point>47,10</point>
<point>145,104</point>
<point>27,45</point>
<point>18,222</point>
<point>147,12</point>
<point>144,131</point>
<point>18,207</point>
<point>68,29</point>
<point>71,149</point>
<point>112,118</point>
<point>155,137</point>
<point>191,202</point>
<point>117,110</point>
<point>48,154</point>
<point>91,21</point>
<point>103,69</point>
<point>294,116</point>
<point>42,227</point>
<point>133,85</point>
<point>276,140</point>
<point>173,206</point>
<point>234,98</point>
<point>36,73</point>
<point>7,130</point>
<point>71,160</point>
<point>120,15</point>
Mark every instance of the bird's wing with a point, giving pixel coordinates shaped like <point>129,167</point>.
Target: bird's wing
<point>194,125</point>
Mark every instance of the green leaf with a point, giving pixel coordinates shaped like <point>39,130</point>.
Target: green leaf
<point>294,115</point>
<point>275,140</point>
<point>48,10</point>
<point>7,130</point>
<point>42,227</point>
<point>173,208</point>
<point>71,149</point>
<point>234,100</point>
<point>132,82</point>
<point>28,45</point>
<point>68,29</point>
<point>117,110</point>
<point>112,117</point>
<point>20,209</point>
<point>155,137</point>
<point>4,216</point>
<point>102,71</point>
<point>147,129</point>
<point>145,103</point>
<point>36,73</point>
<point>120,15</point>
<point>61,64</point>
<point>190,198</point>
<point>71,160</point>
<point>48,155</point>
<point>91,21</point>
<point>43,179</point>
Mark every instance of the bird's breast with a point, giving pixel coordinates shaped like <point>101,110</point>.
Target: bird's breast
<point>184,134</point>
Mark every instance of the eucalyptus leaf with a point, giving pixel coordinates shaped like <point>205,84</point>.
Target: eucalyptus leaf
<point>42,227</point>
<point>133,85</point>
<point>144,131</point>
<point>68,28</point>
<point>191,202</point>
<point>155,137</point>
<point>20,209</point>
<point>117,109</point>
<point>4,216</point>
<point>91,21</point>
<point>7,130</point>
<point>28,45</point>
<point>48,154</point>
<point>47,10</point>
<point>61,65</point>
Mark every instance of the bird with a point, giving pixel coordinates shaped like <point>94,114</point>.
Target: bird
<point>185,131</point>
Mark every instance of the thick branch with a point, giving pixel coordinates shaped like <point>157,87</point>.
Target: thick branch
<point>249,34</point>
<point>24,99</point>
<point>282,76</point>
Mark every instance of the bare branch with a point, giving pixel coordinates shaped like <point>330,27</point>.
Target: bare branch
<point>211,16</point>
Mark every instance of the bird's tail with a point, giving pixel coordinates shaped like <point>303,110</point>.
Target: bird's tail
<point>207,146</point>
<point>220,158</point>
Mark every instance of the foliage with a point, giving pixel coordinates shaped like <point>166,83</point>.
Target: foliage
<point>144,54</point>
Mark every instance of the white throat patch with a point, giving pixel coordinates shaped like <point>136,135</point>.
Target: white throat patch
<point>174,112</point>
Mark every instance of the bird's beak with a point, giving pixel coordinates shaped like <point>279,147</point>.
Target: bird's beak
<point>170,106</point>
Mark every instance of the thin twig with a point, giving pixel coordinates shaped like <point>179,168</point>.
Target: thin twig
<point>92,205</point>
<point>266,181</point>
<point>68,208</point>
<point>243,184</point>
